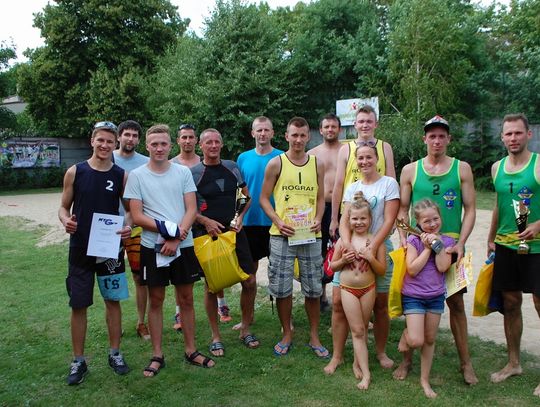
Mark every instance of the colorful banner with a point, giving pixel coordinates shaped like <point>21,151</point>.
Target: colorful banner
<point>346,109</point>
<point>29,154</point>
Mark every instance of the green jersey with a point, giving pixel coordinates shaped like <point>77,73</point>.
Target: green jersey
<point>445,191</point>
<point>522,185</point>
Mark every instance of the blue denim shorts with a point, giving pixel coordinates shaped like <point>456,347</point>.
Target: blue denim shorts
<point>412,305</point>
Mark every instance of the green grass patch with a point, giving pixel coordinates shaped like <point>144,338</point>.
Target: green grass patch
<point>36,351</point>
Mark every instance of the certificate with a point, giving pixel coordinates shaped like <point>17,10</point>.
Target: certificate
<point>460,276</point>
<point>302,236</point>
<point>103,240</point>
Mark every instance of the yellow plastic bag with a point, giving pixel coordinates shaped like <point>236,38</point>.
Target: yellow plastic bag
<point>395,309</point>
<point>219,261</point>
<point>482,292</point>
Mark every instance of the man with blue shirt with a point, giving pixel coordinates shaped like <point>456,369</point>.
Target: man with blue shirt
<point>129,136</point>
<point>252,164</point>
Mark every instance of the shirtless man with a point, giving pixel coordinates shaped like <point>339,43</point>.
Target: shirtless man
<point>327,154</point>
<point>448,182</point>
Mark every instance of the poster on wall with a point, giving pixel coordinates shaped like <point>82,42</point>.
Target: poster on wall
<point>29,154</point>
<point>346,109</point>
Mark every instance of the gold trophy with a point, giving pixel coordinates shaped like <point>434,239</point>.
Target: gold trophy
<point>522,213</point>
<point>241,202</point>
<point>436,245</point>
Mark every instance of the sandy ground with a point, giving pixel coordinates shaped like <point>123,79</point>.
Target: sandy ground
<point>42,209</point>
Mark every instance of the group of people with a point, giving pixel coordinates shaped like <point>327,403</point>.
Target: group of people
<point>340,192</point>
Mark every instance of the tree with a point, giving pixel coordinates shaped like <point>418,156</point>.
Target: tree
<point>429,55</point>
<point>93,48</point>
<point>237,71</point>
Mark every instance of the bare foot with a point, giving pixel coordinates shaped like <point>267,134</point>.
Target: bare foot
<point>505,373</point>
<point>537,391</point>
<point>428,391</point>
<point>239,326</point>
<point>357,371</point>
<point>331,367</point>
<point>385,361</point>
<point>402,345</point>
<point>364,384</point>
<point>468,374</point>
<point>402,370</point>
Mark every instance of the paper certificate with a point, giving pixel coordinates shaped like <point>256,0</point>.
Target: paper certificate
<point>460,276</point>
<point>103,240</point>
<point>300,217</point>
<point>302,236</point>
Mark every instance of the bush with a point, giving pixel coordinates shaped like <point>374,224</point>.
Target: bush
<point>23,178</point>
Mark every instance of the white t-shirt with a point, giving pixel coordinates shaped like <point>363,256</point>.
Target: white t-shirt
<point>385,189</point>
<point>162,196</point>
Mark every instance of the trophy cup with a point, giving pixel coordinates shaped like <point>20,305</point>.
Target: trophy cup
<point>522,213</point>
<point>436,245</point>
<point>241,202</point>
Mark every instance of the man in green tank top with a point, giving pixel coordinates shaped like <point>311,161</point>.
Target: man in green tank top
<point>517,180</point>
<point>449,182</point>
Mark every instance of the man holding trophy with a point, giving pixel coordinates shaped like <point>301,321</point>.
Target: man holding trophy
<point>514,235</point>
<point>223,198</point>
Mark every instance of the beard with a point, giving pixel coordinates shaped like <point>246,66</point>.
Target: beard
<point>128,148</point>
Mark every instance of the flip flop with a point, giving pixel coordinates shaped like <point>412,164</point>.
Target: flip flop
<point>249,340</point>
<point>319,351</point>
<point>153,370</point>
<point>215,346</point>
<point>191,359</point>
<point>284,348</point>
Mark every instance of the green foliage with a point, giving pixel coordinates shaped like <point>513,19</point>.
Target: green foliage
<point>429,55</point>
<point>22,178</point>
<point>237,72</point>
<point>8,120</point>
<point>93,49</point>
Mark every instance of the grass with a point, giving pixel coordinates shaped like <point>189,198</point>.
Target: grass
<point>35,348</point>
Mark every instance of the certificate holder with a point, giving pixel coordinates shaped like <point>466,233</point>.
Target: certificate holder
<point>104,241</point>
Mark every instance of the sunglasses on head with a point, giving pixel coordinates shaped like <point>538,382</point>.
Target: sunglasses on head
<point>106,125</point>
<point>186,126</point>
<point>369,143</point>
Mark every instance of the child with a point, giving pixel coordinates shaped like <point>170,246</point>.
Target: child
<point>423,291</point>
<point>357,280</point>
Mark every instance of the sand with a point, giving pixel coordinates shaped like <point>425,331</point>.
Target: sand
<point>41,209</point>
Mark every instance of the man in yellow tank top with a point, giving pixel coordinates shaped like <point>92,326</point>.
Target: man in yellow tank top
<point>516,178</point>
<point>436,168</point>
<point>295,179</point>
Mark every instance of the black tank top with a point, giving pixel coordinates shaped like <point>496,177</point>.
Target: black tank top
<point>94,191</point>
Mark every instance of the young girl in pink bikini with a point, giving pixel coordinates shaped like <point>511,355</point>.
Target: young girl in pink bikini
<point>357,281</point>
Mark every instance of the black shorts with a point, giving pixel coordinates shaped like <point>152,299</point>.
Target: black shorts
<point>516,272</point>
<point>242,249</point>
<point>81,270</point>
<point>259,241</point>
<point>182,270</point>
<point>325,228</point>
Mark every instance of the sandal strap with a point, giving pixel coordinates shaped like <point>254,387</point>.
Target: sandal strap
<point>157,359</point>
<point>217,346</point>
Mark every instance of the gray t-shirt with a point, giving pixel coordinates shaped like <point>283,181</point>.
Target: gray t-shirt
<point>385,189</point>
<point>161,196</point>
<point>128,165</point>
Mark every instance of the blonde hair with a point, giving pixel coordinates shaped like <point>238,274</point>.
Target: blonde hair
<point>360,202</point>
<point>424,204</point>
